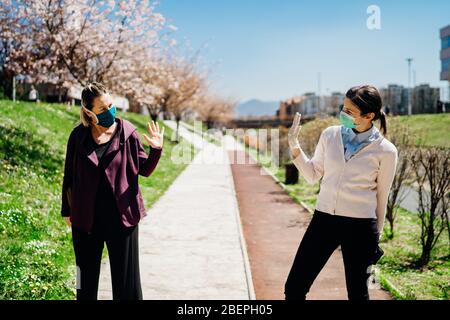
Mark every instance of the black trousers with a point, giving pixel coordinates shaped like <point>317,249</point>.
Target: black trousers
<point>358,238</point>
<point>123,253</point>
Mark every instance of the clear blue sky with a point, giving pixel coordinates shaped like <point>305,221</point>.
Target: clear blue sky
<point>274,49</point>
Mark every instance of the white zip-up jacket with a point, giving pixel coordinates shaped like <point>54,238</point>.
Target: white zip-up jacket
<point>356,188</point>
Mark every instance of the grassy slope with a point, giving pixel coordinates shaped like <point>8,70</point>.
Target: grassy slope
<point>36,255</point>
<point>435,128</point>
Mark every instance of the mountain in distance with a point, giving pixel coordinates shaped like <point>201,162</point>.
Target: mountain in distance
<point>256,108</point>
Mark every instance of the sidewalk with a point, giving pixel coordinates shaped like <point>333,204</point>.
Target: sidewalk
<point>273,227</point>
<point>190,242</point>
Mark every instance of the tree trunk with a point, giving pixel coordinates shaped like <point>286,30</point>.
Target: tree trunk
<point>425,257</point>
<point>426,249</point>
<point>6,83</point>
<point>391,228</point>
<point>178,125</point>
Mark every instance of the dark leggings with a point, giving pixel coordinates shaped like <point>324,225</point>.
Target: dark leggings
<point>358,238</point>
<point>123,253</point>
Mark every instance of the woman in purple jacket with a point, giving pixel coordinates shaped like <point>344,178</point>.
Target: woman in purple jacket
<point>101,198</point>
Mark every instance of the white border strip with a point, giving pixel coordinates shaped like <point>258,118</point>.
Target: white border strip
<point>247,267</point>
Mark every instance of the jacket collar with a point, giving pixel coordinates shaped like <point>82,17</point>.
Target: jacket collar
<point>370,135</point>
<point>375,139</point>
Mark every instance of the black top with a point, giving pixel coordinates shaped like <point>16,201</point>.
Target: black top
<point>107,217</point>
<point>100,148</point>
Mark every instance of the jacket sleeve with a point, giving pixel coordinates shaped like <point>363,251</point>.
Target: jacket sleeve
<point>147,163</point>
<point>68,170</point>
<point>312,169</point>
<point>386,174</point>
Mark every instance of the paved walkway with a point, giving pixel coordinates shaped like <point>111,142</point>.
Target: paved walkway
<point>190,242</point>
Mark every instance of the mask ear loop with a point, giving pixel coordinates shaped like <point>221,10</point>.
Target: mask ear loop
<point>89,112</point>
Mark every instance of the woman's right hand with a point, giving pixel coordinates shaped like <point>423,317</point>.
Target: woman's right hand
<point>67,220</point>
<point>294,145</point>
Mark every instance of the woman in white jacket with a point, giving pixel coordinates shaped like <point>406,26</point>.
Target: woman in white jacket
<point>357,165</point>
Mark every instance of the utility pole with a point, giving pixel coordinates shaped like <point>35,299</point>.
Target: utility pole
<point>448,73</point>
<point>448,100</point>
<point>319,89</point>
<point>14,88</point>
<point>409,60</point>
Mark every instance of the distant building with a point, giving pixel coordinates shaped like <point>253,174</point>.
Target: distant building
<point>425,99</point>
<point>330,104</point>
<point>395,99</point>
<point>307,104</point>
<point>289,107</point>
<point>445,53</point>
<point>310,104</point>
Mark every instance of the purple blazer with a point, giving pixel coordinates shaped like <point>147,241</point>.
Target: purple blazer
<point>125,158</point>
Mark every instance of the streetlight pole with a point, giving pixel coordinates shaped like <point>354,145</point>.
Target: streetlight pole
<point>319,89</point>
<point>448,74</point>
<point>409,60</point>
<point>14,88</point>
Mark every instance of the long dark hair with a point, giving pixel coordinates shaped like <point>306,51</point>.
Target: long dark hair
<point>368,99</point>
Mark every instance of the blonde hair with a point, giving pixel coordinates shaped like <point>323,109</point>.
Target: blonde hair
<point>90,92</point>
<point>84,118</point>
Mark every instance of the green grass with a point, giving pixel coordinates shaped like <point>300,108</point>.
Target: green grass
<point>36,253</point>
<point>434,128</point>
<point>398,264</point>
<point>396,269</point>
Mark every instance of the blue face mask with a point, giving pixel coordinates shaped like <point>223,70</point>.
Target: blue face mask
<point>347,120</point>
<point>107,118</point>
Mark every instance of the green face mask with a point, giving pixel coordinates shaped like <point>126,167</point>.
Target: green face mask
<point>347,120</point>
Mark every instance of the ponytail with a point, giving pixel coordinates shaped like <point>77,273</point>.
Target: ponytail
<point>382,119</point>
